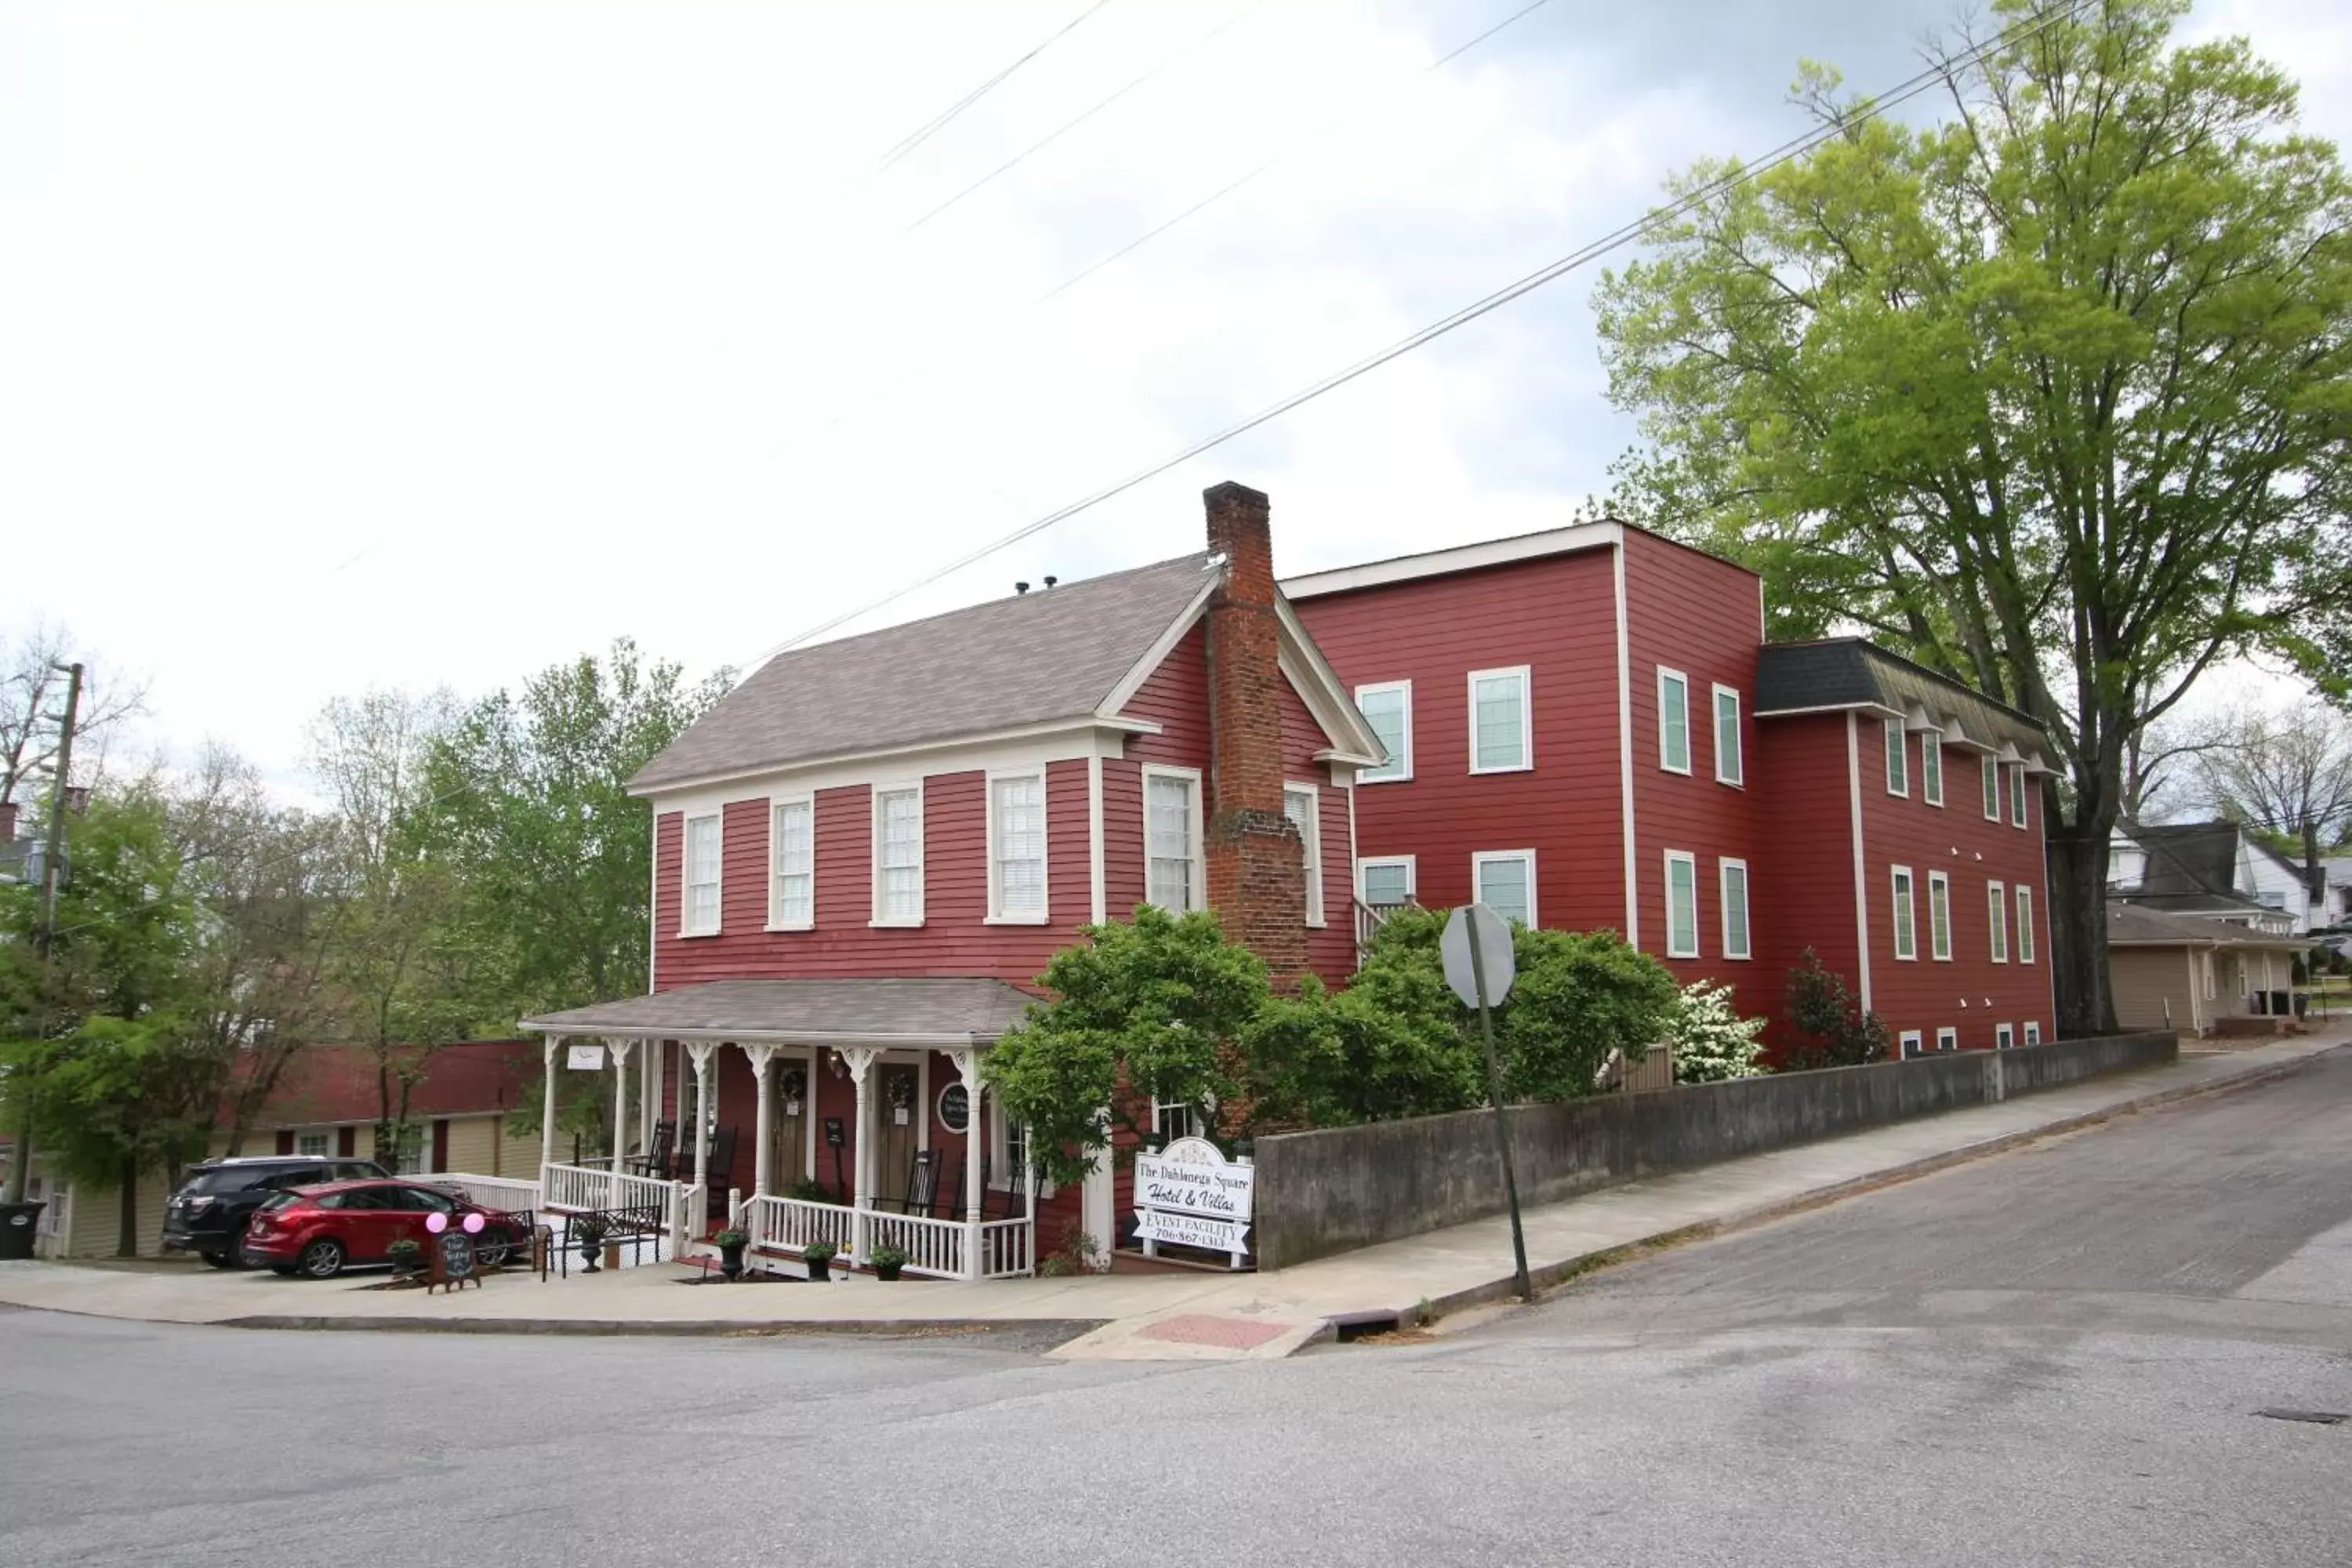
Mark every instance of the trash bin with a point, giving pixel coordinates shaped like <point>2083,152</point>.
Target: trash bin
<point>2301,1003</point>
<point>19,1224</point>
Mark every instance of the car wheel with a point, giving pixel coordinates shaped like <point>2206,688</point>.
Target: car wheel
<point>223,1260</point>
<point>322,1259</point>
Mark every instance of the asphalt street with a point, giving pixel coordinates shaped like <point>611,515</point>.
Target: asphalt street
<point>2052,1357</point>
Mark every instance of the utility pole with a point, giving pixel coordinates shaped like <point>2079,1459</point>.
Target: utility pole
<point>52,880</point>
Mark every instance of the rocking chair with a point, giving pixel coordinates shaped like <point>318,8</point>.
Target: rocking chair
<point>922,1184</point>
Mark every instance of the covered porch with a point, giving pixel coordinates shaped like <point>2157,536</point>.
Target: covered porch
<point>860,1100</point>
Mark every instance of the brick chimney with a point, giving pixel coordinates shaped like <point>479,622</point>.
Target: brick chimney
<point>1257,879</point>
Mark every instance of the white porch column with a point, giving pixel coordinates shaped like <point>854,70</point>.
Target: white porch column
<point>861,1062</point>
<point>547,1111</point>
<point>649,1065</point>
<point>701,1051</point>
<point>764,1157</point>
<point>619,1047</point>
<point>967,1066</point>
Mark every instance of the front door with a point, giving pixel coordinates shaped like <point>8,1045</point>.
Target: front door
<point>795,1110</point>
<point>898,1126</point>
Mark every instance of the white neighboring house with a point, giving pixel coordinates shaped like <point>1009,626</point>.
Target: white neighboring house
<point>2211,869</point>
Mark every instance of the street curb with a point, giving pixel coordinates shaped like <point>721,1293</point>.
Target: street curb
<point>754,1327</point>
<point>1546,1277</point>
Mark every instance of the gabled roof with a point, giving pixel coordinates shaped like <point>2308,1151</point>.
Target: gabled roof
<point>949,1011</point>
<point>1054,654</point>
<point>2187,861</point>
<point>1853,672</point>
<point>2136,925</point>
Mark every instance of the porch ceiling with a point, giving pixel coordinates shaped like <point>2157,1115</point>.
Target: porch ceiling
<point>941,1013</point>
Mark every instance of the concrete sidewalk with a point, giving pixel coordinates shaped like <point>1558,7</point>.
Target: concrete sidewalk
<point>1174,1316</point>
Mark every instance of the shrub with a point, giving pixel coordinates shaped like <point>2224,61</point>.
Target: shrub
<point>1580,997</point>
<point>1711,1041</point>
<point>1831,1028</point>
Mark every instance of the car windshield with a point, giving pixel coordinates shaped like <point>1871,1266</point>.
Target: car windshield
<point>226,1179</point>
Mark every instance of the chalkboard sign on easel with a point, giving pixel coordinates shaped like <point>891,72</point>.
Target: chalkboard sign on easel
<point>449,1256</point>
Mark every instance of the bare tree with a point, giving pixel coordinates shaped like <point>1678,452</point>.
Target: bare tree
<point>2285,771</point>
<point>32,688</point>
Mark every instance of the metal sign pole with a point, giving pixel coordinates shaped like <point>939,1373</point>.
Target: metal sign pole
<point>1501,1119</point>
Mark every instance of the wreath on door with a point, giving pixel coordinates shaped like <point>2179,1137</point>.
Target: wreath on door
<point>901,1091</point>
<point>795,1086</point>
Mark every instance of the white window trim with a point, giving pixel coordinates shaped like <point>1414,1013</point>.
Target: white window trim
<point>1909,1044</point>
<point>1402,762</point>
<point>1000,1162</point>
<point>776,804</point>
<point>923,871</point>
<point>2033,1031</point>
<point>1311,847</point>
<point>326,1141</point>
<point>996,915</point>
<point>2017,802</point>
<point>2024,924</point>
<point>1526,718</point>
<point>1666,762</point>
<point>1939,891</point>
<point>1948,1038</point>
<point>1897,759</point>
<point>1196,833</point>
<point>2004,1037</point>
<point>1931,776</point>
<point>1723,870</point>
<point>1478,863</point>
<point>1997,905</point>
<point>1412,874</point>
<point>686,875</point>
<point>1990,782</point>
<point>1738,777</point>
<point>1691,861</point>
<point>1903,911</point>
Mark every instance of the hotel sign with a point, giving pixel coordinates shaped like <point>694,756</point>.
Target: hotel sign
<point>1191,1196</point>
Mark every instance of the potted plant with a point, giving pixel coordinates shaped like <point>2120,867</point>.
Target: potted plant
<point>888,1260</point>
<point>407,1256</point>
<point>589,1231</point>
<point>819,1256</point>
<point>731,1243</point>
<point>809,1190</point>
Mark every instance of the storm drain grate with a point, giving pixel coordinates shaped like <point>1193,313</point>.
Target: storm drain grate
<point>2316,1417</point>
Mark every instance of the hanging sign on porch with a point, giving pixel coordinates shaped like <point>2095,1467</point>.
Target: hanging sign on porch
<point>1190,1194</point>
<point>587,1058</point>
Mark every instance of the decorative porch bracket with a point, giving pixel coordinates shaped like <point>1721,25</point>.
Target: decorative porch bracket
<point>761,1053</point>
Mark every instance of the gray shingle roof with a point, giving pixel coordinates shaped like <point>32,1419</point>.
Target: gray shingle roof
<point>1046,655</point>
<point>875,1010</point>
<point>1851,672</point>
<point>2135,925</point>
<point>2191,864</point>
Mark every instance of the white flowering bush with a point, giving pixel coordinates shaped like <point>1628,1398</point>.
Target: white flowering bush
<point>1711,1040</point>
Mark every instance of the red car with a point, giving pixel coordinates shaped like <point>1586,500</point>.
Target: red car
<point>317,1231</point>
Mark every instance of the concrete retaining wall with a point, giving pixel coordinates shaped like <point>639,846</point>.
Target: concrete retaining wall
<point>1345,1187</point>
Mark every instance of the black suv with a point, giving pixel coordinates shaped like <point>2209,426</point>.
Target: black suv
<point>208,1214</point>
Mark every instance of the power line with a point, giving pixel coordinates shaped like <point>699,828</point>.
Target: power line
<point>940,121</point>
<point>1615,239</point>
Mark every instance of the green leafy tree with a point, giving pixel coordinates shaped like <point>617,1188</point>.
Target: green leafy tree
<point>1148,1011</point>
<point>529,810</point>
<point>2052,395</point>
<point>1390,1044</point>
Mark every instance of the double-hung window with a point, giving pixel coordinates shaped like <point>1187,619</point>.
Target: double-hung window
<point>1898,759</point>
<point>1500,738</point>
<point>898,856</point>
<point>1734,878</point>
<point>1385,884</point>
<point>1171,839</point>
<point>1505,881</point>
<point>1303,804</point>
<point>698,914</point>
<point>2017,798</point>
<point>1992,788</point>
<point>1939,916</point>
<point>1931,766</point>
<point>1016,848</point>
<point>1730,764</point>
<point>2024,925</point>
<point>1387,707</point>
<point>791,865</point>
<point>1681,904</point>
<point>1997,906</point>
<point>1674,721</point>
<point>312,1145</point>
<point>1907,929</point>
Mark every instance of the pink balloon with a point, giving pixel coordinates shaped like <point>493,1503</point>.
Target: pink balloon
<point>437,1223</point>
<point>473,1224</point>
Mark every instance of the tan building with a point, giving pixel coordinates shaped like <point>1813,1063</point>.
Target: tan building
<point>2199,976</point>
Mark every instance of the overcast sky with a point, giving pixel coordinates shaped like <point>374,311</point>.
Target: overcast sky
<point>403,344</point>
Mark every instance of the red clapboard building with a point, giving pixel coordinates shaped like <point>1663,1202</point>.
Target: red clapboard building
<point>1586,729</point>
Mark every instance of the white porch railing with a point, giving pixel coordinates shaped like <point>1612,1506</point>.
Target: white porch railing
<point>933,1247</point>
<point>491,1191</point>
<point>577,1189</point>
<point>795,1223</point>
<point>1008,1248</point>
